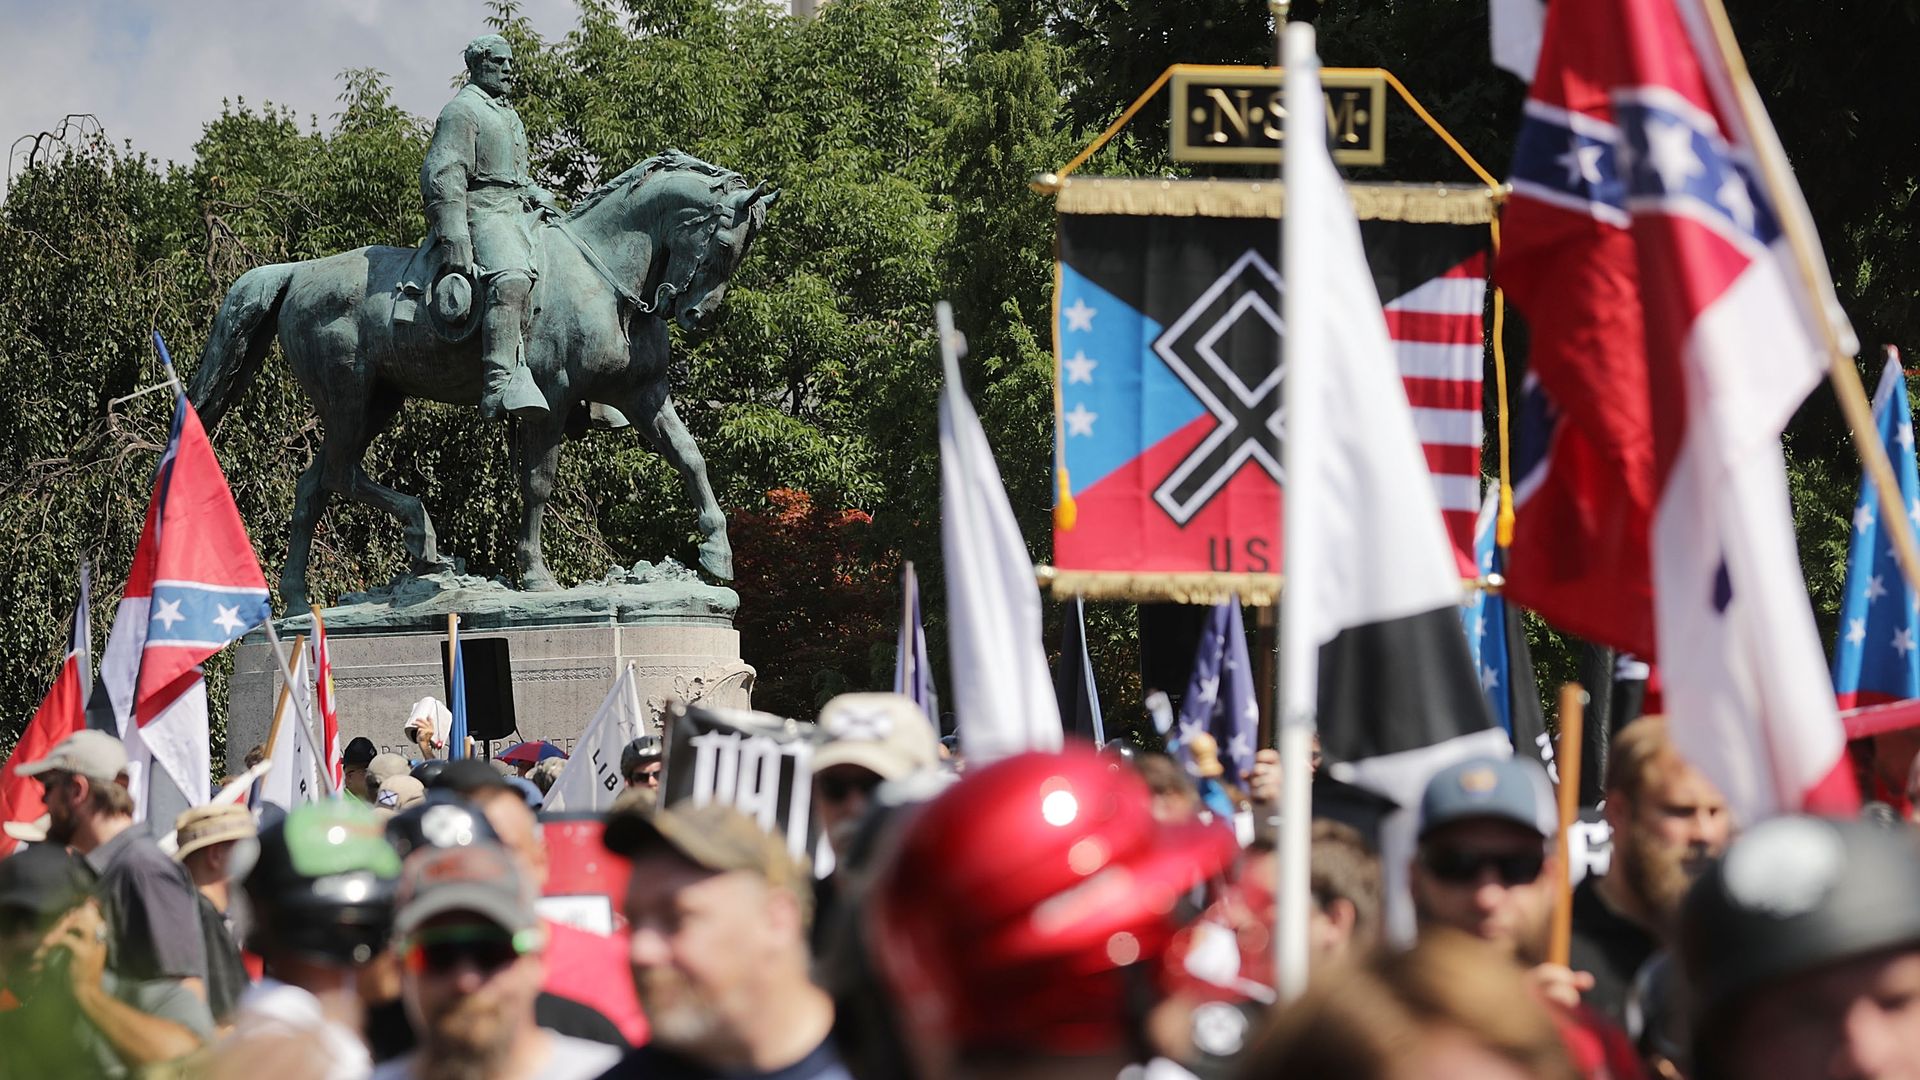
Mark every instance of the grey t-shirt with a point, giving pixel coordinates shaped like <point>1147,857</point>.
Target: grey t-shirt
<point>49,1036</point>
<point>568,1058</point>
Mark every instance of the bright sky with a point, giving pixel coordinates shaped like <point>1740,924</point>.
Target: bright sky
<point>155,71</point>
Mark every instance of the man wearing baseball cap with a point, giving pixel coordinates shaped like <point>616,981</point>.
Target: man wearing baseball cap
<point>151,907</point>
<point>1484,866</point>
<point>210,840</point>
<point>353,766</point>
<point>472,944</point>
<point>1801,948</point>
<point>871,739</point>
<point>61,1012</point>
<point>718,910</point>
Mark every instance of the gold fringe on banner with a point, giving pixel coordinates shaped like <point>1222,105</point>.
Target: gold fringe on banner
<point>1258,590</point>
<point>1420,204</point>
<point>1254,590</point>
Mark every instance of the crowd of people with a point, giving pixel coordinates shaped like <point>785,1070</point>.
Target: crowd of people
<point>1086,913</point>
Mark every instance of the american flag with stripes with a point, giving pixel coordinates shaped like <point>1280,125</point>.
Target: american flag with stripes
<point>1439,337</point>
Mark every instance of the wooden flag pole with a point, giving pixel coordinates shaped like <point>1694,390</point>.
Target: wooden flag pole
<point>1806,256</point>
<point>286,694</point>
<point>1566,760</point>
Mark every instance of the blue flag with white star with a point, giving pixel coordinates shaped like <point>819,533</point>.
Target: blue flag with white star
<point>1498,642</point>
<point>1875,659</point>
<point>1220,699</point>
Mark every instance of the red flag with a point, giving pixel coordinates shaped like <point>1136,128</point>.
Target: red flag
<point>62,712</point>
<point>329,711</point>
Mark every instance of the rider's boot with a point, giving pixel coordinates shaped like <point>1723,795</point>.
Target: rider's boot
<point>509,387</point>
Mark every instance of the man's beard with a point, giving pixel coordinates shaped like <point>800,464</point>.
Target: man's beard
<point>1657,874</point>
<point>60,827</point>
<point>678,1015</point>
<point>473,1038</point>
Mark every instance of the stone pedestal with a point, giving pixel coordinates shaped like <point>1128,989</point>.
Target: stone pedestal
<point>567,648</point>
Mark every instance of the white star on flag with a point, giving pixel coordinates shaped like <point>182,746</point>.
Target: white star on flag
<point>1189,729</point>
<point>1876,588</point>
<point>1080,421</point>
<point>1489,678</point>
<point>1856,631</point>
<point>1210,689</point>
<point>229,619</point>
<point>168,612</point>
<point>1080,316</point>
<point>1903,641</point>
<point>1904,436</point>
<point>1670,152</point>
<point>1913,512</point>
<point>1079,368</point>
<point>1733,193</point>
<point>1237,747</point>
<point>1582,161</point>
<point>1863,517</point>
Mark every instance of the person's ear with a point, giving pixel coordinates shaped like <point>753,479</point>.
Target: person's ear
<point>1343,915</point>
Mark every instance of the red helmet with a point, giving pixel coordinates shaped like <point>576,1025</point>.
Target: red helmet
<point>1016,899</point>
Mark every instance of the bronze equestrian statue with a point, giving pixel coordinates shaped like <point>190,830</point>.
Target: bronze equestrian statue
<point>365,330</point>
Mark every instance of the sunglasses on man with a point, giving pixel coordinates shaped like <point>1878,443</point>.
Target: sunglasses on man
<point>486,948</point>
<point>1468,867</point>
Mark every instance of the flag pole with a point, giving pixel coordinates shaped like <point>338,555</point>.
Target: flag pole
<point>1840,370</point>
<point>1298,682</point>
<point>280,706</point>
<point>286,676</point>
<point>1566,760</point>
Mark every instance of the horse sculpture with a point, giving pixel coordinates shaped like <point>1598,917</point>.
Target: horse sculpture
<point>658,242</point>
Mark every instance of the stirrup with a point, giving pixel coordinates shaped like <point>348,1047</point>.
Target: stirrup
<point>522,396</point>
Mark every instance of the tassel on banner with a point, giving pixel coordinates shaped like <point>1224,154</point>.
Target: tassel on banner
<point>1065,511</point>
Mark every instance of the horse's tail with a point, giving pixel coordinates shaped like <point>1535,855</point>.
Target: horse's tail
<point>237,345</point>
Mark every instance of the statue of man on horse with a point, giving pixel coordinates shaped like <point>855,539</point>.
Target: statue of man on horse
<point>573,314</point>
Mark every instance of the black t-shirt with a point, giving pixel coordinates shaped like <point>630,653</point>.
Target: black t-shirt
<point>152,910</point>
<point>1608,945</point>
<point>226,973</point>
<point>390,1035</point>
<point>653,1063</point>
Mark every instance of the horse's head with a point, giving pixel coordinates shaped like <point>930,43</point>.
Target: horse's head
<point>705,253</point>
<point>700,218</point>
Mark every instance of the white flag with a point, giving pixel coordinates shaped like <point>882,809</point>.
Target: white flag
<point>591,779</point>
<point>295,776</point>
<point>1003,693</point>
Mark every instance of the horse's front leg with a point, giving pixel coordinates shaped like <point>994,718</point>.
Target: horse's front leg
<point>653,413</point>
<point>539,463</point>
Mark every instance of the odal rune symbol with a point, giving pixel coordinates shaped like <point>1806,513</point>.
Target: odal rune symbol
<point>1226,349</point>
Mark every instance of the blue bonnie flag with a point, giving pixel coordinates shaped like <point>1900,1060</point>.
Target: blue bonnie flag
<point>1875,658</point>
<point>457,697</point>
<point>1498,643</point>
<point>1220,700</point>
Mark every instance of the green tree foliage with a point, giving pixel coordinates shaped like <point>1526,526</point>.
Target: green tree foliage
<point>901,134</point>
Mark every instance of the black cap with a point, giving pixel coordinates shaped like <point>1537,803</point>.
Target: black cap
<point>45,879</point>
<point>428,771</point>
<point>1351,805</point>
<point>469,775</point>
<point>359,753</point>
<point>443,819</point>
<point>1794,895</point>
